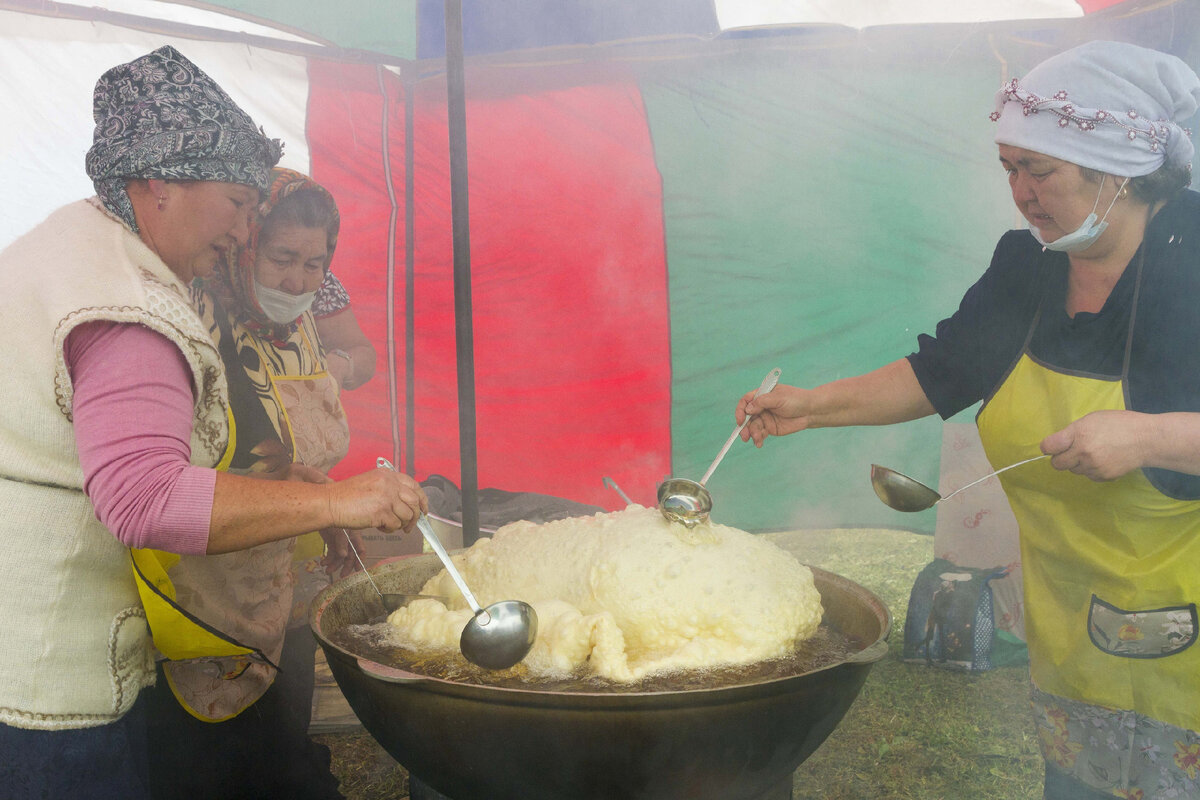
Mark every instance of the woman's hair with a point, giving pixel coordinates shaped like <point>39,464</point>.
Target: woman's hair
<point>1162,184</point>
<point>306,208</point>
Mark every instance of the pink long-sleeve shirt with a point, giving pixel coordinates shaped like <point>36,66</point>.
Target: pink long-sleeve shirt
<point>132,407</point>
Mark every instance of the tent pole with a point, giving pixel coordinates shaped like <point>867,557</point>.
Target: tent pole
<point>457,119</point>
<point>410,260</point>
<point>385,139</point>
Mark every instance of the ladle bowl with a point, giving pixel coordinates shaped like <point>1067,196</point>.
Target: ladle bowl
<point>687,501</point>
<point>684,501</point>
<point>903,493</point>
<point>496,637</point>
<point>504,639</point>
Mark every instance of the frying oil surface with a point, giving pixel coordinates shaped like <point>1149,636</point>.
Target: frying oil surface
<point>377,642</point>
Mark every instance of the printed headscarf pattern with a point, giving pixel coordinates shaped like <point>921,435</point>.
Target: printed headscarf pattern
<point>161,116</point>
<point>233,279</point>
<point>1109,106</point>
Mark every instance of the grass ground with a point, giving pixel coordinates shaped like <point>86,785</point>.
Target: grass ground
<point>914,733</point>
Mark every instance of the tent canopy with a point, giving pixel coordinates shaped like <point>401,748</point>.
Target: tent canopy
<point>414,29</point>
<point>667,200</point>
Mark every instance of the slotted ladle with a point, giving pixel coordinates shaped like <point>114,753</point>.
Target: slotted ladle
<point>496,637</point>
<point>908,494</point>
<point>687,501</point>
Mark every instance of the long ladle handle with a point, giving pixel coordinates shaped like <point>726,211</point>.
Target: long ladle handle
<point>767,385</point>
<point>994,474</point>
<point>431,537</point>
<point>358,558</point>
<point>610,483</point>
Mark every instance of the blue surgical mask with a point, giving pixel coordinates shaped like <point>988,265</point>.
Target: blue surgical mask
<point>1086,234</point>
<point>282,307</point>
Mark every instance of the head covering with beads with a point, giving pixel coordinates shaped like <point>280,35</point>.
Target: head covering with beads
<point>1108,106</point>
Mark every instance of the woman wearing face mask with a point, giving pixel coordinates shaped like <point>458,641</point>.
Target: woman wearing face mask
<point>1082,339</point>
<point>250,717</point>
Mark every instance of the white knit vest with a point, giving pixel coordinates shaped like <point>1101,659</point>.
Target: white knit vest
<point>74,645</point>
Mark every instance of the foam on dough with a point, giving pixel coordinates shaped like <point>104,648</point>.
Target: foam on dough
<point>626,594</point>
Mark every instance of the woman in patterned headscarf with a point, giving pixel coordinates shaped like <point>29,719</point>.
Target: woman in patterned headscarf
<point>114,417</point>
<point>285,409</point>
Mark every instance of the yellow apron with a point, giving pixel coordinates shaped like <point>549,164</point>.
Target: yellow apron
<point>177,634</point>
<point>213,674</point>
<point>1110,580</point>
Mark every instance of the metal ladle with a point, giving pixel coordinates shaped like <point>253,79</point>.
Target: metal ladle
<point>390,600</point>
<point>496,637</point>
<point>908,494</point>
<point>687,501</point>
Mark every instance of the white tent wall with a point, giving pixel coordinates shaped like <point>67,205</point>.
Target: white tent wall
<point>886,199</point>
<point>50,66</point>
<point>866,13</point>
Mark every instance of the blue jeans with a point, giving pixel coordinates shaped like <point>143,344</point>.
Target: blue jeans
<point>108,762</point>
<point>264,752</point>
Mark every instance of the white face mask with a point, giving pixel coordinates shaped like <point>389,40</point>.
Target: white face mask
<point>282,307</point>
<point>1086,234</point>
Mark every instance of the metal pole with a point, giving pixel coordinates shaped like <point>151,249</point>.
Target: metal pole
<point>410,259</point>
<point>457,119</point>
<point>385,141</point>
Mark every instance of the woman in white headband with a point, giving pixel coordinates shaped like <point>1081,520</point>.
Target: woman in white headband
<point>1082,340</point>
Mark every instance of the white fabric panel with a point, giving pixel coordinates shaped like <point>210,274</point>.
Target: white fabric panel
<point>50,68</point>
<point>865,13</point>
<point>190,15</point>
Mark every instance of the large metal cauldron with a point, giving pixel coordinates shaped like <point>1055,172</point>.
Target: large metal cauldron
<point>475,742</point>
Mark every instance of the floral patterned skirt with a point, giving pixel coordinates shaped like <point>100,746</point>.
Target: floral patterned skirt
<point>1123,753</point>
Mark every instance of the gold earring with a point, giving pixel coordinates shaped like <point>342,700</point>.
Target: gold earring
<point>161,199</point>
<point>1121,195</point>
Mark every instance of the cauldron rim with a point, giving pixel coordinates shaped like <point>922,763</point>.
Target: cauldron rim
<point>868,654</point>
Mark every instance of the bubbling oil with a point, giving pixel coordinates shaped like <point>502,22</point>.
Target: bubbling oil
<point>376,643</point>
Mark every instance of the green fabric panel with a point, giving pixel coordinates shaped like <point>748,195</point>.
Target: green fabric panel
<point>821,209</point>
<point>382,26</point>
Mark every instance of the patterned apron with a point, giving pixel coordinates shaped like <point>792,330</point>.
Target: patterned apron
<point>252,595</point>
<point>1111,579</point>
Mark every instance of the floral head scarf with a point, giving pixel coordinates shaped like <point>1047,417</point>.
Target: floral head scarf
<point>233,279</point>
<point>161,116</point>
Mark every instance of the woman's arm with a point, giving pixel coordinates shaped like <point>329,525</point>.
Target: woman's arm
<point>249,511</point>
<point>348,352</point>
<point>132,414</point>
<point>887,395</point>
<point>1104,445</point>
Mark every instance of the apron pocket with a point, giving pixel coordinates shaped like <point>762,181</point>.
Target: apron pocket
<point>1141,634</point>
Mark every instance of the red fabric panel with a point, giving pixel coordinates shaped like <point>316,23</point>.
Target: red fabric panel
<point>344,130</point>
<point>1090,6</point>
<point>569,290</point>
